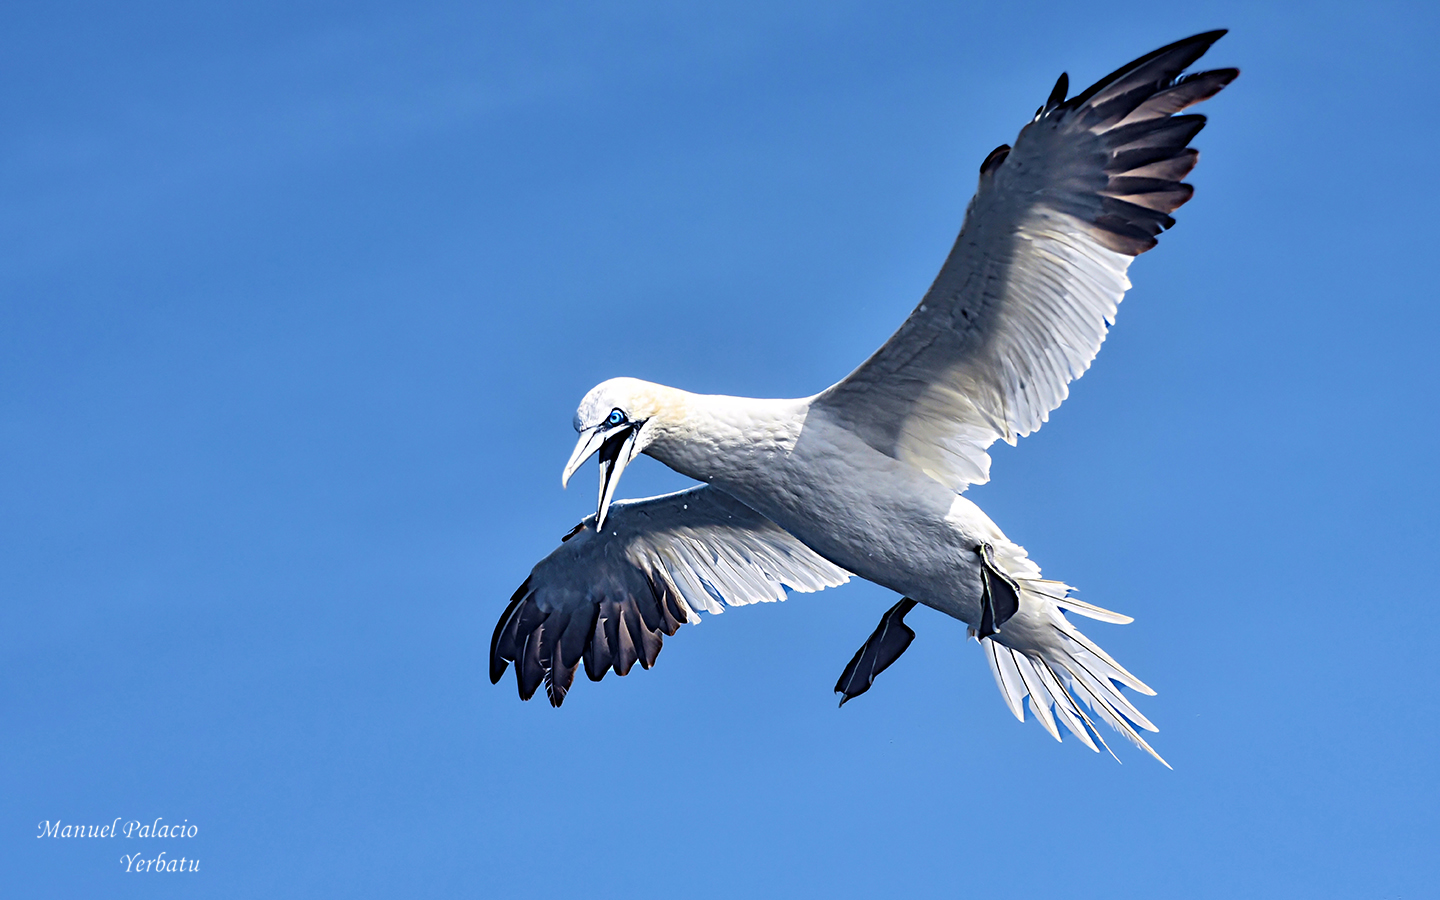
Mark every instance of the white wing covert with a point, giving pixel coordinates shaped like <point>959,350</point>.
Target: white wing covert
<point>609,598</point>
<point>1024,299</point>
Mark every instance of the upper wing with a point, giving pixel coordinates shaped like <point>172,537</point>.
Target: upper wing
<point>609,597</point>
<point>1023,302</point>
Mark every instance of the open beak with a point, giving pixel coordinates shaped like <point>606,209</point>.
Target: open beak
<point>616,446</point>
<point>590,441</point>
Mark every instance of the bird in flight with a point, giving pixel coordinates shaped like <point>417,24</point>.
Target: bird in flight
<point>866,478</point>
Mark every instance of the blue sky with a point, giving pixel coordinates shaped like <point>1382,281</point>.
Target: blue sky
<point>296,302</point>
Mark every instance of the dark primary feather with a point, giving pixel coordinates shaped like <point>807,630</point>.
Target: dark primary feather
<point>1157,65</point>
<point>1018,311</point>
<point>996,157</point>
<point>627,614</point>
<point>608,600</point>
<point>1132,111</point>
<point>1057,94</point>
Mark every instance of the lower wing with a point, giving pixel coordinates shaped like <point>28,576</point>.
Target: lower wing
<point>609,597</point>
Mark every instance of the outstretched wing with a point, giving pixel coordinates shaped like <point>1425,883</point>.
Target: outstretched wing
<point>608,598</point>
<point>1023,302</point>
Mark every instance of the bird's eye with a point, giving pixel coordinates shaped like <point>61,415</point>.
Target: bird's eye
<point>616,418</point>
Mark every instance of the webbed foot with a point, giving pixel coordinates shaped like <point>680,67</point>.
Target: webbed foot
<point>999,594</point>
<point>882,648</point>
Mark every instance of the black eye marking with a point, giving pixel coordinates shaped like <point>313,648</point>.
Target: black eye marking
<point>616,418</point>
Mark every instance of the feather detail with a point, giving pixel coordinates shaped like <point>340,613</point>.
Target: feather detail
<point>609,600</point>
<point>1033,283</point>
<point>1063,671</point>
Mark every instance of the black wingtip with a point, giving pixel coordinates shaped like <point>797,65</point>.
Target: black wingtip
<point>1193,47</point>
<point>1057,94</point>
<point>1223,76</point>
<point>557,683</point>
<point>498,661</point>
<point>994,159</point>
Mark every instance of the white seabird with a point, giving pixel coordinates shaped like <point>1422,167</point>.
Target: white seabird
<point>865,478</point>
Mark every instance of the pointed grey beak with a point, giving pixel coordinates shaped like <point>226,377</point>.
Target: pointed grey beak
<point>616,446</point>
<point>590,441</point>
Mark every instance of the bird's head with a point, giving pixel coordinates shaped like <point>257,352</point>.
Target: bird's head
<point>612,420</point>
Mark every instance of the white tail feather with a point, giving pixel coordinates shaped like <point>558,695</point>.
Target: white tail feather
<point>1041,711</point>
<point>1060,593</point>
<point>1012,688</point>
<point>1089,610</point>
<point>1063,669</point>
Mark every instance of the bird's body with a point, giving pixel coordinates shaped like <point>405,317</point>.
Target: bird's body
<point>866,477</point>
<point>867,513</point>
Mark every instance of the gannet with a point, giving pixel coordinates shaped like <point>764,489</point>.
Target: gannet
<point>866,478</point>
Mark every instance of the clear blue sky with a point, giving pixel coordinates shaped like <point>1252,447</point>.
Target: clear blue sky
<point>296,303</point>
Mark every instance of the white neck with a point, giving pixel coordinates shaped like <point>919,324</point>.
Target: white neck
<point>712,437</point>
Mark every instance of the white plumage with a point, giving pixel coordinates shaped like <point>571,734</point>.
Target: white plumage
<point>863,478</point>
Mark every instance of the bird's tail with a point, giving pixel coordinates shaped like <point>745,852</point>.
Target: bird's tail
<point>1040,654</point>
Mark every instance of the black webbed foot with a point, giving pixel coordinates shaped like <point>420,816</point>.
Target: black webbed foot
<point>882,648</point>
<point>999,594</point>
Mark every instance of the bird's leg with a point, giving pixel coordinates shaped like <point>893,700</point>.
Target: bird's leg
<point>999,594</point>
<point>882,648</point>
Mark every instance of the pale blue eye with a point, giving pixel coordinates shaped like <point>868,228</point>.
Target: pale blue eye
<point>616,417</point>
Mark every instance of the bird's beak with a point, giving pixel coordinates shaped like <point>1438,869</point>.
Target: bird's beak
<point>616,446</point>
<point>590,441</point>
